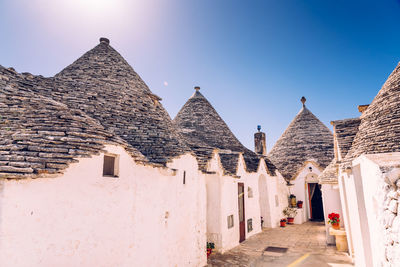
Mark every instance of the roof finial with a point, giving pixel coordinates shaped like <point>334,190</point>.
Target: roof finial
<point>104,40</point>
<point>197,88</point>
<point>303,100</point>
<point>259,127</point>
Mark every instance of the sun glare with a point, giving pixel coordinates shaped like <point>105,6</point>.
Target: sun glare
<point>98,5</point>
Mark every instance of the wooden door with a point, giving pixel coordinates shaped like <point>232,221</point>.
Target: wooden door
<point>242,221</point>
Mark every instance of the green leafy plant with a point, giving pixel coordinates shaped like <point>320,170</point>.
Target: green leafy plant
<point>290,212</point>
<point>334,218</point>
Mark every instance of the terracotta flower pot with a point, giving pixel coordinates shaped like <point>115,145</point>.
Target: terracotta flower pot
<point>290,220</point>
<point>336,226</point>
<point>283,224</point>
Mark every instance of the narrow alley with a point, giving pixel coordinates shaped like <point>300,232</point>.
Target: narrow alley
<point>304,244</point>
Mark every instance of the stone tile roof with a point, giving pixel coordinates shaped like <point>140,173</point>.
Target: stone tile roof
<point>105,87</point>
<point>202,128</point>
<point>330,174</point>
<point>379,130</point>
<point>344,132</point>
<point>41,137</point>
<point>305,139</point>
<point>229,162</point>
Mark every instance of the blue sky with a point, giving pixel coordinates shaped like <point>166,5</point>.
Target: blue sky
<point>253,59</point>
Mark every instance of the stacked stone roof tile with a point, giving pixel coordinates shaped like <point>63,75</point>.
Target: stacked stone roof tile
<point>203,129</point>
<point>330,174</point>
<point>40,136</point>
<point>344,132</point>
<point>229,162</point>
<point>379,129</point>
<point>105,87</point>
<point>305,139</point>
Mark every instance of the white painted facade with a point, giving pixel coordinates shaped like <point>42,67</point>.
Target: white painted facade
<point>268,197</point>
<point>145,217</point>
<point>82,218</point>
<point>370,200</point>
<point>331,203</point>
<point>308,174</point>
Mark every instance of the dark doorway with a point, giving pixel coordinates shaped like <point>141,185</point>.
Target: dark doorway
<point>315,196</point>
<point>242,222</point>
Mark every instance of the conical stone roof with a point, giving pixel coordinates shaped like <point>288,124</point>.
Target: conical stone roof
<point>379,130</point>
<point>305,139</point>
<point>204,130</point>
<point>41,137</point>
<point>104,86</point>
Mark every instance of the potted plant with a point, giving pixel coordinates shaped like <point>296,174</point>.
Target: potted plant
<point>292,200</point>
<point>210,247</point>
<point>334,219</point>
<point>290,213</point>
<point>300,204</point>
<point>283,222</point>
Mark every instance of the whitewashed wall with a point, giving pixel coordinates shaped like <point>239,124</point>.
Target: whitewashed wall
<point>380,176</point>
<point>352,217</point>
<point>331,203</point>
<point>300,187</point>
<point>266,208</point>
<point>278,193</point>
<point>345,210</point>
<point>222,201</point>
<point>370,197</point>
<point>85,219</point>
<point>214,218</point>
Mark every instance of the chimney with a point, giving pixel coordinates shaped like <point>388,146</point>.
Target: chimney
<point>260,146</point>
<point>104,40</point>
<point>362,108</point>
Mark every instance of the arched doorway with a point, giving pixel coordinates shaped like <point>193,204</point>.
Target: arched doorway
<point>315,202</point>
<point>265,212</point>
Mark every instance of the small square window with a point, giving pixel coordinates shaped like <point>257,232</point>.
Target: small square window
<point>249,192</point>
<point>110,166</point>
<point>230,221</point>
<point>249,225</point>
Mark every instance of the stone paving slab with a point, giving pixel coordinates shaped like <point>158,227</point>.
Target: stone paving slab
<point>306,239</point>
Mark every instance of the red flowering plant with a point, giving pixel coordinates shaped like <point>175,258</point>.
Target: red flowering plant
<point>334,218</point>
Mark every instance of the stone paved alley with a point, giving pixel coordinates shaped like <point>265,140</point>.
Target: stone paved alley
<point>306,247</point>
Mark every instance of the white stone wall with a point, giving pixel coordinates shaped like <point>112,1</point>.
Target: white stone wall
<point>386,231</point>
<point>381,191</point>
<point>266,207</point>
<point>214,218</point>
<point>300,187</point>
<point>353,218</point>
<point>331,203</point>
<point>278,197</point>
<point>146,217</point>
<point>222,201</point>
